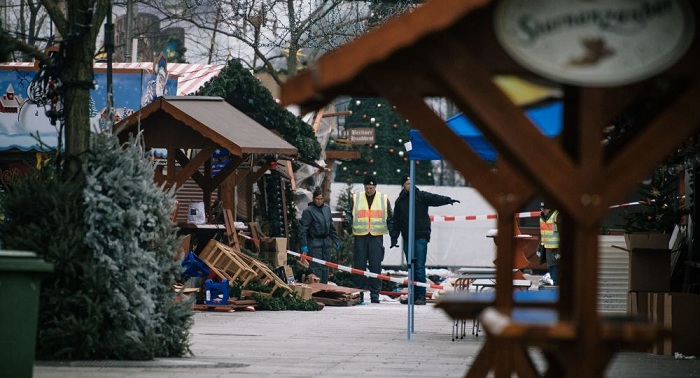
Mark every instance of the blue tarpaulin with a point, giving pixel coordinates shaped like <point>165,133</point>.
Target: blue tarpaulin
<point>547,117</point>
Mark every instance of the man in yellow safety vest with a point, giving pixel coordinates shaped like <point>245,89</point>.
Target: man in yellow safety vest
<point>371,218</point>
<point>549,241</point>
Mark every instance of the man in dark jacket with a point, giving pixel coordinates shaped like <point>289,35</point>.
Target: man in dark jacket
<point>316,233</point>
<point>423,200</point>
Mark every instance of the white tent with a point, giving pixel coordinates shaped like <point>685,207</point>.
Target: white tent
<point>455,243</point>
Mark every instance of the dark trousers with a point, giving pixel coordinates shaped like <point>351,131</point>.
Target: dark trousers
<point>552,259</point>
<point>420,254</point>
<point>368,252</point>
<point>320,249</point>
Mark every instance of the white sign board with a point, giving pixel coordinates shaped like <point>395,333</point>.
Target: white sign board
<point>595,43</point>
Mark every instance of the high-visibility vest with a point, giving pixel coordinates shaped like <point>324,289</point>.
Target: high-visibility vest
<point>369,221</point>
<point>549,232</point>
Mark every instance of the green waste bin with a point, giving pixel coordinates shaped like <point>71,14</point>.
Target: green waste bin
<point>20,276</point>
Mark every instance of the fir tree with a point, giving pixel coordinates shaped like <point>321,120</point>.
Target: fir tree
<point>132,240</point>
<point>106,228</point>
<point>344,256</point>
<point>92,111</point>
<point>44,214</point>
<point>659,210</point>
<point>386,158</point>
<point>244,91</point>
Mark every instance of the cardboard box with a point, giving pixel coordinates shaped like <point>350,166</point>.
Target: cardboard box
<point>646,240</point>
<point>650,270</point>
<point>275,250</point>
<point>304,290</point>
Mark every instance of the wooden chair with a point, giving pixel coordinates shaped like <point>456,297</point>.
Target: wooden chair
<point>231,233</point>
<point>257,234</point>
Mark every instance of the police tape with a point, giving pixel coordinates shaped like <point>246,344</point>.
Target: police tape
<point>527,214</point>
<point>362,272</point>
<point>348,269</point>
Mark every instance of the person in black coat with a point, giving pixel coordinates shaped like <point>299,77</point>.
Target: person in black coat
<point>317,234</point>
<point>423,200</point>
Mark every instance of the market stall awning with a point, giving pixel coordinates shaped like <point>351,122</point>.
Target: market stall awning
<point>190,77</point>
<point>548,118</point>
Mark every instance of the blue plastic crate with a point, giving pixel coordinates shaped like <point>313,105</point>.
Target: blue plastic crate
<point>216,293</point>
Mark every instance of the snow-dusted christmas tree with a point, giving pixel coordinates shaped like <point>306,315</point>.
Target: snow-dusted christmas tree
<point>106,227</point>
<point>132,239</point>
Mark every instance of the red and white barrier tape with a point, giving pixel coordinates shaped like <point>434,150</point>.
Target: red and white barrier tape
<point>626,204</point>
<point>527,214</point>
<point>433,218</point>
<point>362,273</point>
<point>353,270</point>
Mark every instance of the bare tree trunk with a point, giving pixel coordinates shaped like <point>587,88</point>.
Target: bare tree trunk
<point>78,26</point>
<point>212,45</point>
<point>77,82</point>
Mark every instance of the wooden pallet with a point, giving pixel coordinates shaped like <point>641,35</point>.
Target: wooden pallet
<point>266,275</point>
<point>230,264</point>
<point>226,264</point>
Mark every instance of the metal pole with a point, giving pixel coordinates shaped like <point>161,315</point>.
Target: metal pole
<point>129,34</point>
<point>411,244</point>
<point>109,48</point>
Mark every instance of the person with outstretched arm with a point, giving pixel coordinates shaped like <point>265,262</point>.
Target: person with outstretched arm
<point>424,200</point>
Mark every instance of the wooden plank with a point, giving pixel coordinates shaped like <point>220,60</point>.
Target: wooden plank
<point>342,154</point>
<point>336,302</point>
<point>221,308</point>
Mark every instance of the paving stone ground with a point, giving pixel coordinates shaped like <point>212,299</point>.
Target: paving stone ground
<point>368,340</point>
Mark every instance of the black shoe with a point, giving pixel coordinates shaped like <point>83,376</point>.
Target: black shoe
<point>375,300</point>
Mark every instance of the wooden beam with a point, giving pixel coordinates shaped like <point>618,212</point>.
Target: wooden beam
<point>505,189</point>
<point>317,120</point>
<point>190,168</point>
<point>227,171</point>
<point>342,154</point>
<point>337,114</point>
<point>503,124</point>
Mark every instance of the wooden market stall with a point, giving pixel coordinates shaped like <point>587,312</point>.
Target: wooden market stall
<point>454,49</point>
<point>191,129</point>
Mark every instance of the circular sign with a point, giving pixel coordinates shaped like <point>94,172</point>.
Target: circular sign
<point>595,43</point>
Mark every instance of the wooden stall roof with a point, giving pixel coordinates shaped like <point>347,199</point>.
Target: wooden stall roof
<point>197,121</point>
